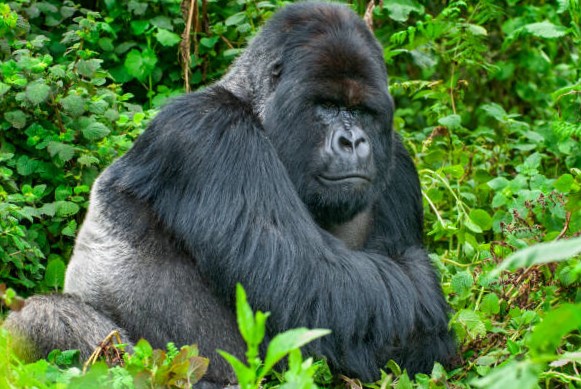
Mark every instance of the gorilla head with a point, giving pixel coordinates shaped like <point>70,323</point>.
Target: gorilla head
<point>323,102</point>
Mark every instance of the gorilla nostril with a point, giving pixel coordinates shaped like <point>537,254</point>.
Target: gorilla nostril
<point>345,143</point>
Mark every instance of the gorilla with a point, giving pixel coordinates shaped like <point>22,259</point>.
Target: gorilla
<point>285,176</point>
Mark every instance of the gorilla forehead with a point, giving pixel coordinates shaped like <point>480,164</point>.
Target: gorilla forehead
<point>333,52</point>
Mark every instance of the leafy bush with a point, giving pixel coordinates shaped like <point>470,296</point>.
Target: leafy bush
<point>62,122</point>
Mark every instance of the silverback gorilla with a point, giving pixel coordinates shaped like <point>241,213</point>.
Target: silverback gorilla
<point>285,176</point>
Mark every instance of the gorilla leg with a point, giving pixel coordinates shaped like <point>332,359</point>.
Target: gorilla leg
<point>69,322</point>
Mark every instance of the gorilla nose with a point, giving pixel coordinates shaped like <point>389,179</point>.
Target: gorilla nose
<point>350,143</point>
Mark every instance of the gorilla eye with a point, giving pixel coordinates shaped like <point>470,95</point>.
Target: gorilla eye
<point>276,73</point>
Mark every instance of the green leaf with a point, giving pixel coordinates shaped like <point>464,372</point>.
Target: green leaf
<point>62,192</point>
<point>495,110</point>
<point>476,29</point>
<point>539,254</point>
<point>87,160</point>
<point>498,183</point>
<point>54,277</point>
<point>451,121</point>
<point>88,67</point>
<point>521,375</point>
<point>404,382</point>
<point>3,88</point>
<point>139,26</point>
<point>209,42</point>
<point>468,223</point>
<point>481,218</point>
<point>399,10</point>
<point>95,131</point>
<point>37,91</point>
<point>63,151</point>
<point>140,64</point>
<point>546,30</point>
<point>73,105</point>
<point>549,334</point>
<point>245,375</point>
<point>66,208</point>
<point>26,166</point>
<point>70,229</point>
<point>284,343</point>
<point>490,304</point>
<point>167,38</point>
<point>236,19</point>
<point>462,283</point>
<point>564,183</point>
<point>17,118</point>
<point>470,322</point>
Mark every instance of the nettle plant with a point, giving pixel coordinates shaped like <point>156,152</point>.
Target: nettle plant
<point>62,121</point>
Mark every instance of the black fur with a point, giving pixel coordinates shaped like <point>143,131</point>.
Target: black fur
<point>223,188</point>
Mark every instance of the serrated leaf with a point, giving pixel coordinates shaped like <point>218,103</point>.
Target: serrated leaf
<point>37,92</point>
<point>564,183</point>
<point>522,375</point>
<point>48,209</point>
<point>66,208</point>
<point>62,192</point>
<point>140,64</point>
<point>495,110</point>
<point>546,30</point>
<point>451,121</point>
<point>3,88</point>
<point>87,160</point>
<point>539,254</point>
<point>399,10</point>
<point>471,322</point>
<point>26,166</point>
<point>63,151</point>
<point>462,283</point>
<point>549,334</point>
<point>39,190</point>
<point>95,131</point>
<point>209,42</point>
<point>498,183</point>
<point>490,304</point>
<point>73,105</point>
<point>70,229</point>
<point>167,38</point>
<point>88,67</point>
<point>16,118</point>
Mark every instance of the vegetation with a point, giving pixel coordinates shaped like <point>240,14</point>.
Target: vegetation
<point>489,102</point>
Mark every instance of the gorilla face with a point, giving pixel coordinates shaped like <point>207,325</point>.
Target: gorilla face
<point>329,117</point>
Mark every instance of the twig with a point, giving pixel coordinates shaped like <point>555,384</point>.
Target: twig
<point>368,17</point>
<point>185,44</point>
<point>565,227</point>
<point>97,353</point>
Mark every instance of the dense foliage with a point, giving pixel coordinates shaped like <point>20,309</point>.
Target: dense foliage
<point>489,103</point>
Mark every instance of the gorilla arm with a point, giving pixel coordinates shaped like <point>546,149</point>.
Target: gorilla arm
<point>215,182</point>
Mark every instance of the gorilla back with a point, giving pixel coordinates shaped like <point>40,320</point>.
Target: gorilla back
<point>284,176</point>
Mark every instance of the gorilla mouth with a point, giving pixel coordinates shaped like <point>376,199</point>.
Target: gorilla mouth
<point>358,179</point>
